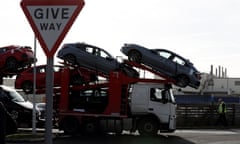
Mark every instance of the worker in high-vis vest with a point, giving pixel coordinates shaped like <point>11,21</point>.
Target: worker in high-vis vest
<point>222,109</point>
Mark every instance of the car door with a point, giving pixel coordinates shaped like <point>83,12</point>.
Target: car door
<point>181,67</point>
<point>57,75</point>
<point>99,60</point>
<point>89,57</point>
<point>163,62</point>
<point>41,76</point>
<point>105,62</point>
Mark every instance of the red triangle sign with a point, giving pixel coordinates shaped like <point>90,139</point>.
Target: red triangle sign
<point>51,20</point>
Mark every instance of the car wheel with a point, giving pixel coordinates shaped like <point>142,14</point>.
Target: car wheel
<point>77,80</point>
<point>14,114</point>
<point>134,56</point>
<point>11,63</point>
<point>148,127</point>
<point>27,87</point>
<point>182,81</point>
<point>70,58</point>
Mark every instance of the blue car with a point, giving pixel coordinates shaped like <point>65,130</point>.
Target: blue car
<point>166,62</point>
<point>93,58</point>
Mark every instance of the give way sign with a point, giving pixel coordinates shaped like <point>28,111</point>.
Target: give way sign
<point>51,20</point>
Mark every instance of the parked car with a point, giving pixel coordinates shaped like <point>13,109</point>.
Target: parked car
<point>19,109</point>
<point>24,80</point>
<point>14,57</point>
<point>166,62</point>
<point>93,57</point>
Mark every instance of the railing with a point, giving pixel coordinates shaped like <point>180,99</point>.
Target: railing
<point>205,115</point>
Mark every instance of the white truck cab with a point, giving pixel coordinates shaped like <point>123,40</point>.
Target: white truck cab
<point>155,101</point>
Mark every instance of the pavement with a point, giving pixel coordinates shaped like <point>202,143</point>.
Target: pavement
<point>183,136</point>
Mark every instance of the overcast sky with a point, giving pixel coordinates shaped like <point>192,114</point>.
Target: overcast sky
<point>204,31</point>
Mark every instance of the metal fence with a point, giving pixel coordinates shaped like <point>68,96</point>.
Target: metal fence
<point>205,115</point>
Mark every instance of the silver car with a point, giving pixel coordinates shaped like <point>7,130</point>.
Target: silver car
<point>94,58</point>
<point>166,62</point>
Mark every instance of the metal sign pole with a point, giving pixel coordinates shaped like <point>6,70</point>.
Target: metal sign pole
<point>50,21</point>
<point>34,89</point>
<point>49,102</point>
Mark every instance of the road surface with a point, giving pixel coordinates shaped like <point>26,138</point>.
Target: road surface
<point>206,136</point>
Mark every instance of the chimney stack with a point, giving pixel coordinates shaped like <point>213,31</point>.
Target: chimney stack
<point>211,71</point>
<point>219,71</point>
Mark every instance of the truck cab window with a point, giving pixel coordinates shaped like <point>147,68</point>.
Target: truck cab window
<point>159,95</point>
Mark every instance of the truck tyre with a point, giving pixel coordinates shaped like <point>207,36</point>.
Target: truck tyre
<point>89,128</point>
<point>148,127</point>
<point>70,125</point>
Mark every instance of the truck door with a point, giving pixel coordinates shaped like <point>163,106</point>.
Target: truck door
<point>160,104</point>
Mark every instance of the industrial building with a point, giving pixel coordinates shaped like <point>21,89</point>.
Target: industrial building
<point>217,83</point>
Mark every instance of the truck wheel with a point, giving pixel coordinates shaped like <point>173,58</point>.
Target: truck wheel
<point>89,128</point>
<point>148,127</point>
<point>70,125</point>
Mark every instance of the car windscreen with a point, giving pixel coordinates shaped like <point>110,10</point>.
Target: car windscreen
<point>15,96</point>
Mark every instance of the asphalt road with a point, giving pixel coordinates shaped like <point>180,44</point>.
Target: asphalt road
<point>224,136</point>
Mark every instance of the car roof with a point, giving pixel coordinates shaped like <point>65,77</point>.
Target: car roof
<point>187,60</point>
<point>169,52</point>
<point>88,45</point>
<point>82,44</point>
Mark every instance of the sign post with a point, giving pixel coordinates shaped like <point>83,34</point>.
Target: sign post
<point>50,21</point>
<point>49,95</point>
